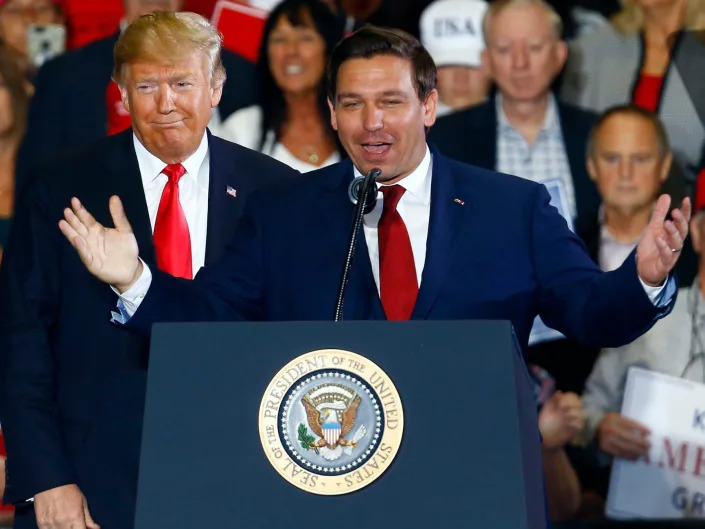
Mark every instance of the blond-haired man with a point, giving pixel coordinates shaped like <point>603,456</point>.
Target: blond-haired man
<point>75,102</point>
<point>74,383</point>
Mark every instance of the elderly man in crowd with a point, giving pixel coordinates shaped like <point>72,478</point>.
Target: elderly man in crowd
<point>526,131</point>
<point>629,158</point>
<point>72,397</point>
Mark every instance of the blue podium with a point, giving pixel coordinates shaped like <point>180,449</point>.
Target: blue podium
<point>469,456</point>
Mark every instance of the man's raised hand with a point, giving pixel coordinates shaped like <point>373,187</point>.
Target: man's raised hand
<point>662,242</point>
<point>110,254</point>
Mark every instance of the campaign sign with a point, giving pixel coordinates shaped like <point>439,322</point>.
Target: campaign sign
<point>669,482</point>
<point>241,26</point>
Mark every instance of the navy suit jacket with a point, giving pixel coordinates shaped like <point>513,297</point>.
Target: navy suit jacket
<point>72,397</point>
<point>68,110</point>
<point>471,136</point>
<point>496,250</point>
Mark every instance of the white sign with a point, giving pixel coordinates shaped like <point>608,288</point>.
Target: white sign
<point>670,481</point>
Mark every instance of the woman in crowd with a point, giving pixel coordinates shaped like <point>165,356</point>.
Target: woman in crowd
<point>291,121</point>
<point>13,117</point>
<point>639,58</point>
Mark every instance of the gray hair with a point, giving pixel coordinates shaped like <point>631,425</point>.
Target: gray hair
<point>496,7</point>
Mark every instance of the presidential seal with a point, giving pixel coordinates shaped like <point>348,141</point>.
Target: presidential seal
<point>331,422</point>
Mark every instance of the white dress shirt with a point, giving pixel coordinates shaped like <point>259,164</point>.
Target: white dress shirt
<point>414,209</point>
<point>193,193</point>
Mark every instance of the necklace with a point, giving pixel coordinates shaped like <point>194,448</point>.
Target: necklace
<point>311,153</point>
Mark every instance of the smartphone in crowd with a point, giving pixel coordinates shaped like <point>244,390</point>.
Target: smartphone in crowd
<point>44,42</point>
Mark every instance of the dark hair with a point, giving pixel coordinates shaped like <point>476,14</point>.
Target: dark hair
<point>371,41</point>
<point>13,79</point>
<point>270,96</point>
<point>630,110</point>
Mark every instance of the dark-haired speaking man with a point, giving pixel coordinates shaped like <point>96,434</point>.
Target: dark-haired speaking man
<point>445,240</point>
<point>74,383</point>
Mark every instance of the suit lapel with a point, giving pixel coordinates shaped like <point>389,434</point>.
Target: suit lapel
<point>587,199</point>
<point>448,207</point>
<point>336,214</point>
<point>221,213</point>
<point>128,182</point>
<point>485,138</point>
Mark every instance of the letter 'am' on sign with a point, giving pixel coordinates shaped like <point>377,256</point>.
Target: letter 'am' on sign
<point>331,422</point>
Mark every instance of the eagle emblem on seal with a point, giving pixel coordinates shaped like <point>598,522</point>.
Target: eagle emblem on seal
<point>331,411</point>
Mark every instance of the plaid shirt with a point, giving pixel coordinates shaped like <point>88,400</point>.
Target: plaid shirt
<point>544,160</point>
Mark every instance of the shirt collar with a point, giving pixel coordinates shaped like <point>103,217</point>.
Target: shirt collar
<point>418,182</point>
<point>550,121</point>
<point>151,166</point>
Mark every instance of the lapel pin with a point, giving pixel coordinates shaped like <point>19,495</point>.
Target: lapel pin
<point>231,191</point>
<point>458,201</point>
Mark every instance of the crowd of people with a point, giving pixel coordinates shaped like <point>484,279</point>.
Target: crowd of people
<point>589,99</point>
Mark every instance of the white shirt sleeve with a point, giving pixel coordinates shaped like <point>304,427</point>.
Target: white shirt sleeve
<point>655,293</point>
<point>131,299</point>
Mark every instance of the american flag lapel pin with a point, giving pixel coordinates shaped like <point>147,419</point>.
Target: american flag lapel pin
<point>231,191</point>
<point>458,201</point>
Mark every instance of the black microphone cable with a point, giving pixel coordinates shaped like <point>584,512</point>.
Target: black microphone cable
<point>362,192</point>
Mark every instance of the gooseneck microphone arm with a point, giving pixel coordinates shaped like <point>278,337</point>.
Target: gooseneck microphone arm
<point>361,190</point>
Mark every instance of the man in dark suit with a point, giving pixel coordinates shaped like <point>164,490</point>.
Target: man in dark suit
<point>525,131</point>
<point>69,109</point>
<point>448,241</point>
<point>72,397</point>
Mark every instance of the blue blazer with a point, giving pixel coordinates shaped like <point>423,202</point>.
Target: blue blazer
<point>496,250</point>
<point>72,397</point>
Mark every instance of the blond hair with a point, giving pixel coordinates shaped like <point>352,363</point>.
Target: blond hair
<point>630,19</point>
<point>496,7</point>
<point>164,38</point>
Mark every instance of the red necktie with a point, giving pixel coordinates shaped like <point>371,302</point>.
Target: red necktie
<point>171,236</point>
<point>397,274</point>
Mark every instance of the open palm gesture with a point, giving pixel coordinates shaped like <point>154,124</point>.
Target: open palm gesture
<point>110,254</point>
<point>662,242</point>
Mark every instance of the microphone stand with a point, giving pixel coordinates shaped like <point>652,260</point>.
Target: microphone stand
<point>352,245</point>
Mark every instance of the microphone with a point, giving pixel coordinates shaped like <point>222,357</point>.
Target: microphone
<point>355,189</point>
<point>363,193</point>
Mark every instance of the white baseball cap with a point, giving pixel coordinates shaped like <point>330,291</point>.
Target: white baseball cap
<point>451,31</point>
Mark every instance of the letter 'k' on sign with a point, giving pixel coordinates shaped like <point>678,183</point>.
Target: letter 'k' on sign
<point>699,420</point>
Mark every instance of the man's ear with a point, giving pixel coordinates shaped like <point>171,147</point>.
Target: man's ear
<point>666,166</point>
<point>216,94</point>
<point>333,118</point>
<point>561,55</point>
<point>591,169</point>
<point>430,105</point>
<point>124,97</point>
